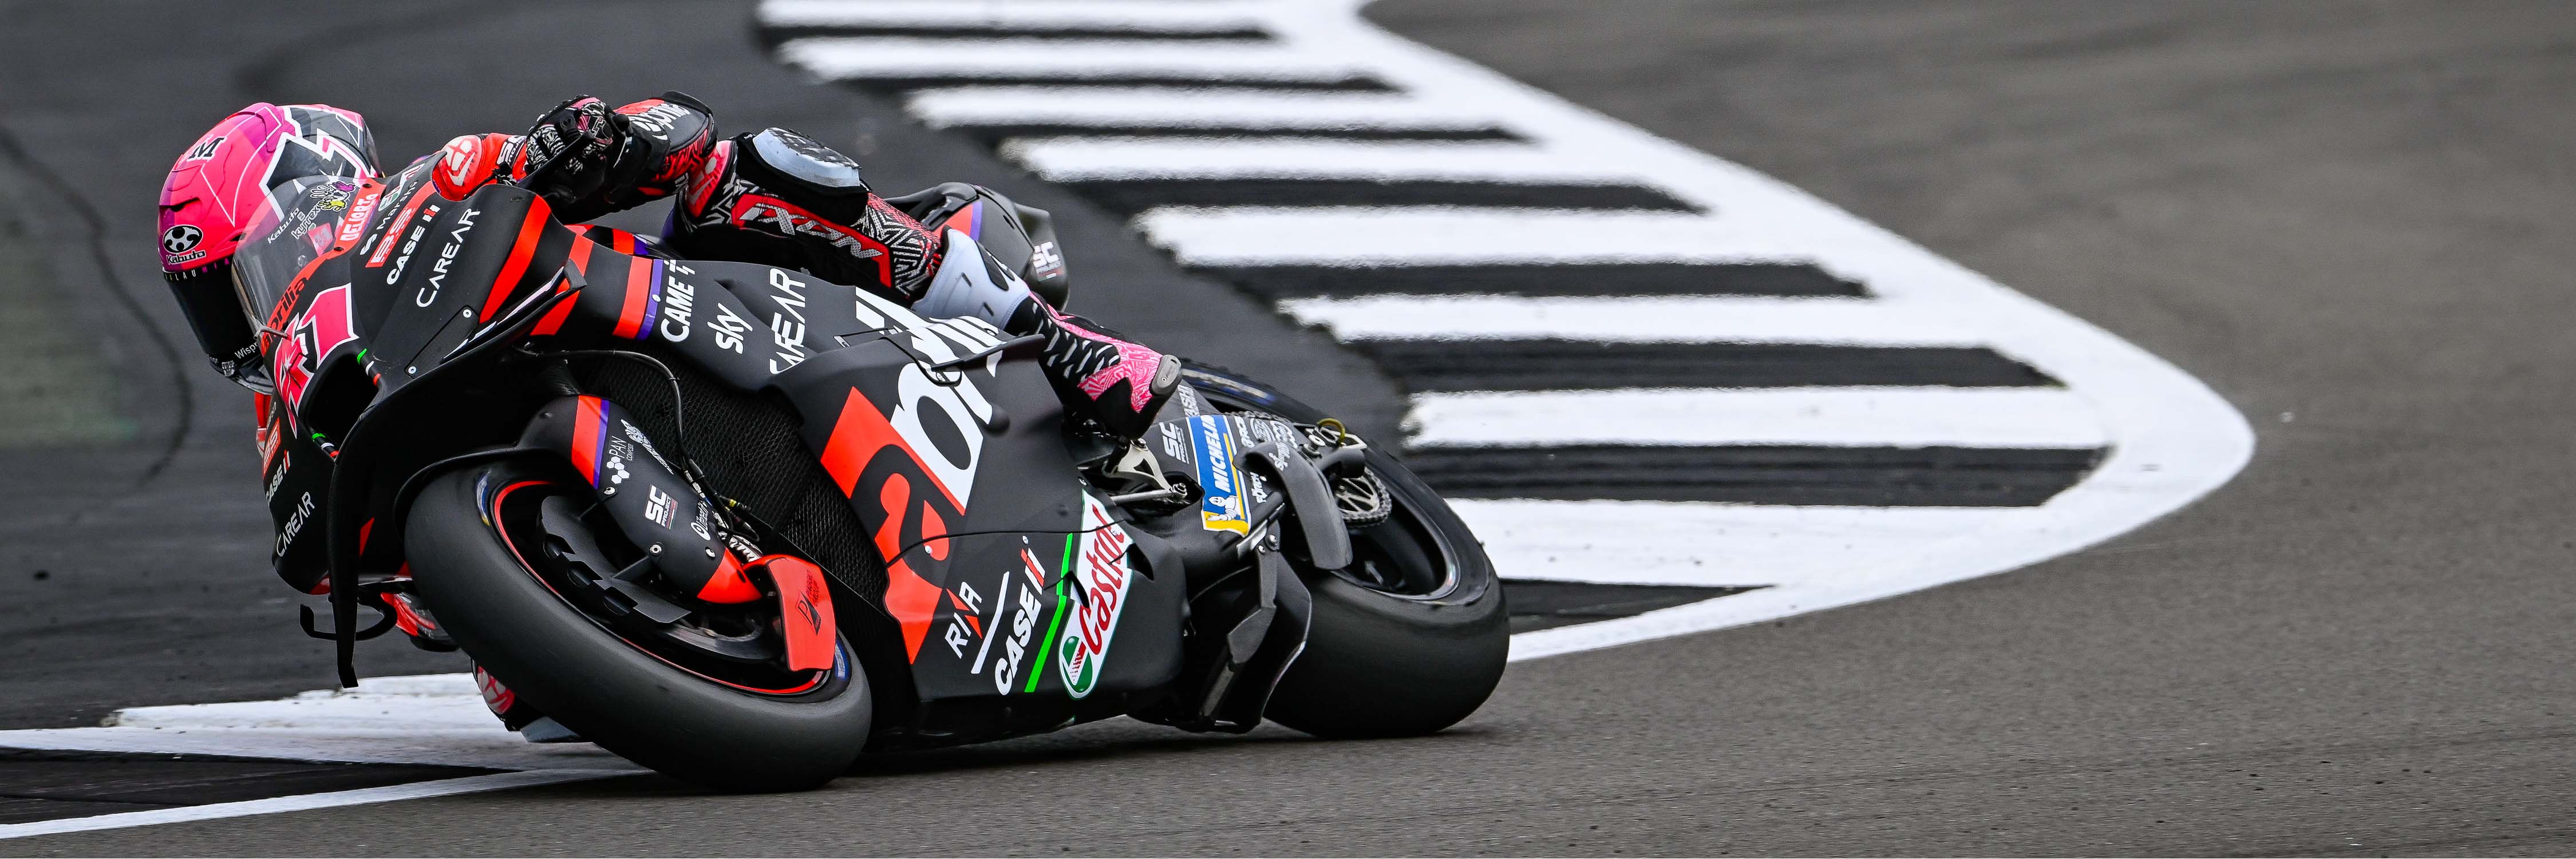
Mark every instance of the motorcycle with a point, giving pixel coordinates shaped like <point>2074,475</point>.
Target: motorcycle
<point>742,526</point>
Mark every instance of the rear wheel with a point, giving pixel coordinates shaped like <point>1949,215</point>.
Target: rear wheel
<point>1412,636</point>
<point>504,555</point>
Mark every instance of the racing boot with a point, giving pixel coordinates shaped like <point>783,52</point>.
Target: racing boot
<point>778,198</point>
<point>1116,382</point>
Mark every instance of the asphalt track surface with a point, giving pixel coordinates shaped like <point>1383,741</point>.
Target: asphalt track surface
<point>2346,218</point>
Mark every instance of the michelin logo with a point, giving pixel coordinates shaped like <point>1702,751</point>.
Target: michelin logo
<point>1222,508</point>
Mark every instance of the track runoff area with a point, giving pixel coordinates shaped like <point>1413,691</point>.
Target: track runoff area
<point>1671,395</point>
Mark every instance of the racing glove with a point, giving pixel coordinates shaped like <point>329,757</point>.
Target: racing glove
<point>588,160</point>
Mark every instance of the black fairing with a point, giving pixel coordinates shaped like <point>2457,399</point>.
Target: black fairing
<point>436,286</point>
<point>998,554</point>
<point>1002,567</point>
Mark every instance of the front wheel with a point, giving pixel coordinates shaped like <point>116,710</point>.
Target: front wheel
<point>499,553</point>
<point>1412,636</point>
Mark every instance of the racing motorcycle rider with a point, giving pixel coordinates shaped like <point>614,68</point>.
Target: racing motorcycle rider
<point>772,197</point>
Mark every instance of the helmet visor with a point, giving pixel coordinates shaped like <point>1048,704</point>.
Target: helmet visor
<point>297,227</point>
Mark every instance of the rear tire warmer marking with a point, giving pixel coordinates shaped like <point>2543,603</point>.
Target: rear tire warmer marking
<point>1727,530</point>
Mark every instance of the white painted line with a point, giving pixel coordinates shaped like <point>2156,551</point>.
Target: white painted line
<point>1855,417</point>
<point>1640,319</point>
<point>1442,235</point>
<point>1116,107</point>
<point>303,802</point>
<point>1070,159</point>
<point>426,702</point>
<point>425,719</point>
<point>1710,545</point>
<point>1147,16</point>
<point>2169,439</point>
<point>489,746</point>
<point>1071,59</point>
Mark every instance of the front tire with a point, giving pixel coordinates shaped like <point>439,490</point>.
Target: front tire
<point>613,692</point>
<point>1413,636</point>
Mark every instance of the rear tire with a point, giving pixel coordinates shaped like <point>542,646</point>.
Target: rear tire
<point>1410,640</point>
<point>610,691</point>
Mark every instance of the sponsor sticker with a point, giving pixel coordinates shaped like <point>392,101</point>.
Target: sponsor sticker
<point>1045,261</point>
<point>613,469</point>
<point>1220,480</point>
<point>428,294</point>
<point>1024,624</point>
<point>784,217</point>
<point>327,324</point>
<point>1101,576</point>
<point>304,507</point>
<point>657,505</point>
<point>679,297</point>
<point>354,224</point>
<point>637,435</point>
<point>654,117</point>
<point>787,326</point>
<point>966,621</point>
<point>181,239</point>
<point>729,329</point>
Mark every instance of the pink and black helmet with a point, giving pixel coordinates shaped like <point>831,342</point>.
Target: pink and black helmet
<point>219,193</point>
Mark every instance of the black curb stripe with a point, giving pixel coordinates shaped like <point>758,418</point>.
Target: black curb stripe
<point>1135,195</point>
<point>994,133</point>
<point>1540,605</point>
<point>1577,280</point>
<point>40,785</point>
<point>1551,364</point>
<point>896,85</point>
<point>1776,475</point>
<point>1005,30</point>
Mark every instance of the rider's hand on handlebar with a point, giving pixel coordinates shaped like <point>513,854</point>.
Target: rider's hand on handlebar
<point>567,155</point>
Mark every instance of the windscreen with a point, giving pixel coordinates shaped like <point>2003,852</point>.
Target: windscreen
<point>302,217</point>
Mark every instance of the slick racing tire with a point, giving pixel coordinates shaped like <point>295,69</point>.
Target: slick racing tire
<point>1411,637</point>
<point>700,727</point>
